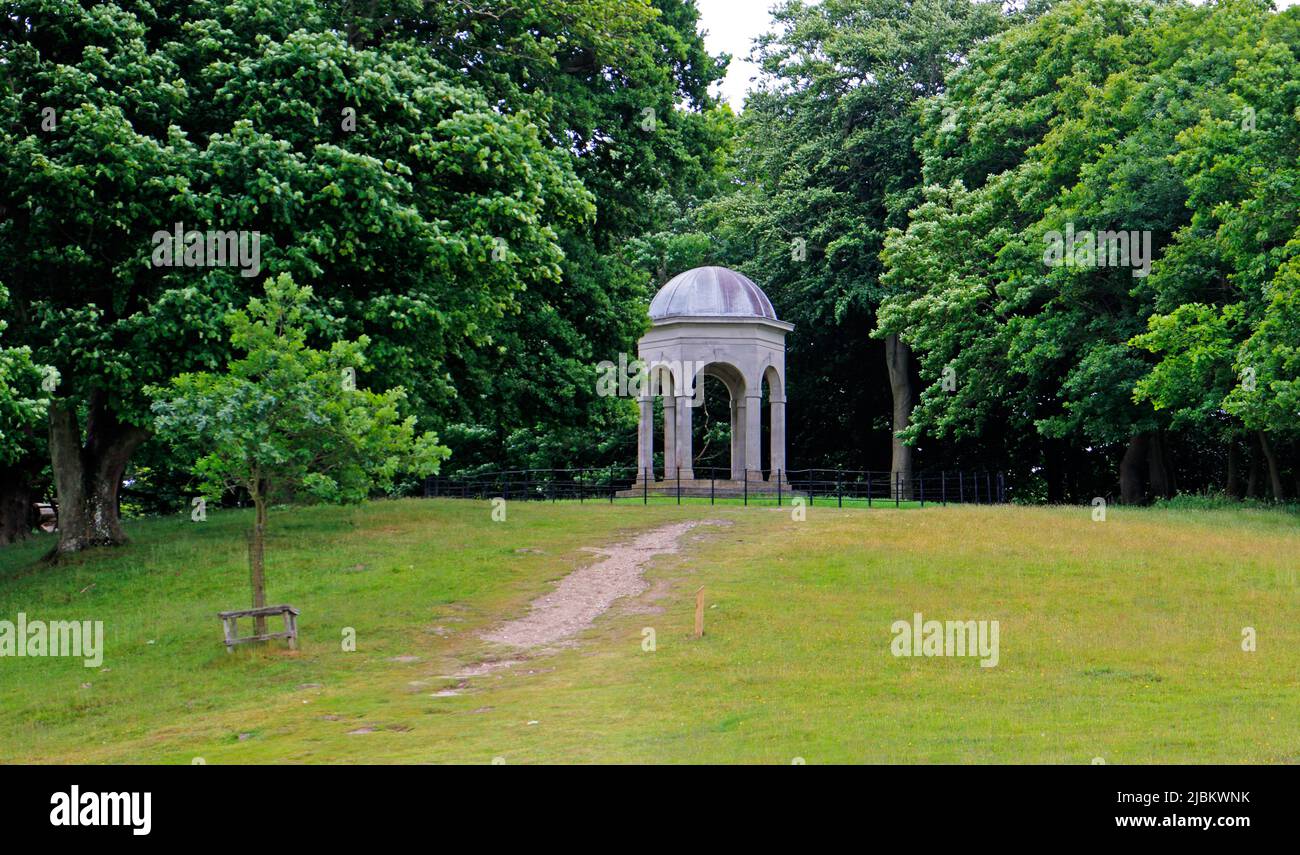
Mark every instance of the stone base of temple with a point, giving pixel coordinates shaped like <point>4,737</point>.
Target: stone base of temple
<point>704,488</point>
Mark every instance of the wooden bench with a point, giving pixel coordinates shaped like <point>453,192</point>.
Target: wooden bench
<point>231,622</point>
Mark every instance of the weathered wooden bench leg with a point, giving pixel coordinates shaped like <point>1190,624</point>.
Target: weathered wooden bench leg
<point>230,625</point>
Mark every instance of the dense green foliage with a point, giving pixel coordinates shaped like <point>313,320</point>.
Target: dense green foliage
<point>622,88</point>
<point>22,398</point>
<point>452,182</point>
<point>1110,115</point>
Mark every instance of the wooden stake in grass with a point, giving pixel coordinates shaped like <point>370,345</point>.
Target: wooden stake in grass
<point>699,612</point>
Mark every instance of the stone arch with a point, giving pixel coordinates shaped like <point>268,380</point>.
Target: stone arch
<point>733,378</point>
<point>660,382</point>
<point>775,383</point>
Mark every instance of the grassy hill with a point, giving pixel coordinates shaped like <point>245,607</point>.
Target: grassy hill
<point>1119,640</point>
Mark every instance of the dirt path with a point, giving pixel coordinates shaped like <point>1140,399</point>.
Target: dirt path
<point>585,594</point>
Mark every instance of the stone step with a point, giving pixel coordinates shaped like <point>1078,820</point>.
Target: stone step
<point>697,487</point>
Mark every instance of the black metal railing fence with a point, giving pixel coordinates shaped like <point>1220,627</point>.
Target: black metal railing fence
<point>625,483</point>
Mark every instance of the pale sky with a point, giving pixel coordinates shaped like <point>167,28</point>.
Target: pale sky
<point>732,26</point>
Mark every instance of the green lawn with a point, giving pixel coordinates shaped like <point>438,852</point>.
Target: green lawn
<point>1119,640</point>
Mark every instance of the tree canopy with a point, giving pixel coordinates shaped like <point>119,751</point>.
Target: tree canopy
<point>1167,123</point>
<point>447,181</point>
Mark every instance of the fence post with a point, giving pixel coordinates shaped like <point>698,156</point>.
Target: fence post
<point>611,483</point>
<point>943,488</point>
<point>898,488</point>
<point>679,485</point>
<point>868,488</point>
<point>961,487</point>
<point>711,485</point>
<point>778,488</point>
<point>839,488</point>
<point>988,486</point>
<point>645,487</point>
<point>746,499</point>
<point>920,483</point>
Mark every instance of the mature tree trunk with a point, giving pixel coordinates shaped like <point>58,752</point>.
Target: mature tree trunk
<point>1130,470</point>
<point>1274,474</point>
<point>16,497</point>
<point>1158,467</point>
<point>87,476</point>
<point>256,559</point>
<point>1233,485</point>
<point>898,361</point>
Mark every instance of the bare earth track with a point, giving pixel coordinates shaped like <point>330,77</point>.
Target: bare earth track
<point>586,594</point>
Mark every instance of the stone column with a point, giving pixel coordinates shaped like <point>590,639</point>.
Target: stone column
<point>754,437</point>
<point>685,457</point>
<point>670,437</point>
<point>645,439</point>
<point>778,436</point>
<point>737,438</point>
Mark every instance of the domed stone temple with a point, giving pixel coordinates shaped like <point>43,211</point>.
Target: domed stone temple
<point>715,322</point>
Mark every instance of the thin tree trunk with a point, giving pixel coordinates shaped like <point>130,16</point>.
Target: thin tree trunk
<point>87,477</point>
<point>898,362</point>
<point>1274,474</point>
<point>256,558</point>
<point>1130,470</point>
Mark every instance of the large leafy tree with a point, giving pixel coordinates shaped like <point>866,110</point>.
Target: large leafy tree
<point>418,208</point>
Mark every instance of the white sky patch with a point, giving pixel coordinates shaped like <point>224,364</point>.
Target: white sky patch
<point>731,26</point>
